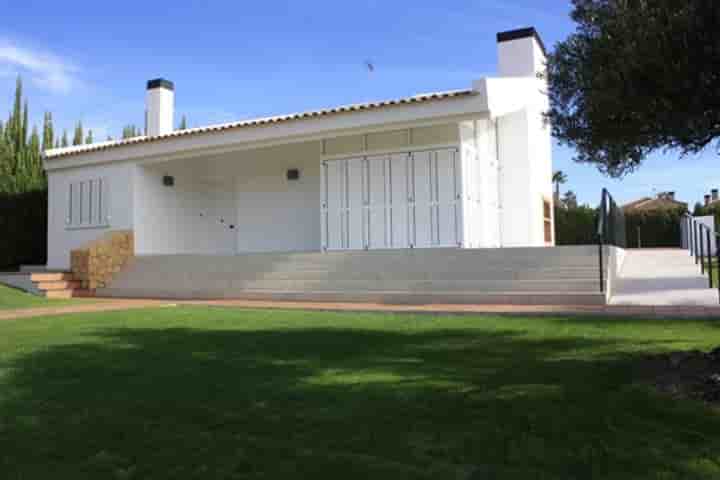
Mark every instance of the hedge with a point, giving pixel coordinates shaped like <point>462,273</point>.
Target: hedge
<point>23,228</point>
<point>575,226</point>
<point>658,228</point>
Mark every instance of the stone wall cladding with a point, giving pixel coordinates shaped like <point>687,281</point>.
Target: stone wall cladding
<point>95,263</point>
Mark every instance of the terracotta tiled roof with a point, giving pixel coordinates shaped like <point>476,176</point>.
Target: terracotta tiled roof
<point>648,203</point>
<point>422,98</point>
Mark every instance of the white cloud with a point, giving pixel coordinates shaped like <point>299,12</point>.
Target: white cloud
<point>46,71</point>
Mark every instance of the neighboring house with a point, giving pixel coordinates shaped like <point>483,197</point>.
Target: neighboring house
<point>663,201</point>
<point>467,168</point>
<point>711,199</point>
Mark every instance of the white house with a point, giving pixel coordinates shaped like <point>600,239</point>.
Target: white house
<point>469,168</point>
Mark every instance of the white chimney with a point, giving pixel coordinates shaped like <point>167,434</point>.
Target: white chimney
<point>159,107</point>
<point>521,53</point>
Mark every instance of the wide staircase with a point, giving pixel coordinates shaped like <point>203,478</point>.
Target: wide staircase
<point>560,275</point>
<point>59,285</point>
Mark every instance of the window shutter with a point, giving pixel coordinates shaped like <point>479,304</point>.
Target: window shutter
<point>104,207</point>
<point>68,215</point>
<point>76,204</point>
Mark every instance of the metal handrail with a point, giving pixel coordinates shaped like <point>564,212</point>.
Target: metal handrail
<point>698,241</point>
<point>610,229</point>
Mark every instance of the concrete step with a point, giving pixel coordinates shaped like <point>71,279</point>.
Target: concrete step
<point>385,297</point>
<point>329,275</point>
<point>59,285</point>
<point>51,277</point>
<point>69,293</point>
<point>533,275</point>
<point>33,268</point>
<point>384,284</point>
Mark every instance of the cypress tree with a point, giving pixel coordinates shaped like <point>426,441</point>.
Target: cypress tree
<point>48,135</point>
<point>78,136</point>
<point>15,125</point>
<point>183,123</point>
<point>89,138</point>
<point>24,128</point>
<point>64,142</point>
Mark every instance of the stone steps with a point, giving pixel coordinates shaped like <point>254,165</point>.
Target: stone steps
<point>561,275</point>
<point>59,285</point>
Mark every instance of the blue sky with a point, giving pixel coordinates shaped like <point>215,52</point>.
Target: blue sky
<point>240,59</point>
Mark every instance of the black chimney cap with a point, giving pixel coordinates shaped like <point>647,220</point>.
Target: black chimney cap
<point>521,33</point>
<point>160,83</point>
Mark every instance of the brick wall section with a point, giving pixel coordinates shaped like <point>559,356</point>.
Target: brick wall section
<point>95,263</point>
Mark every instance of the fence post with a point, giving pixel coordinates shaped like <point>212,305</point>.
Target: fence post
<point>717,253</point>
<point>702,252</point>
<point>695,234</point>
<point>709,257</point>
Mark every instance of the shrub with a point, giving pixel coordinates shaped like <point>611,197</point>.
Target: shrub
<point>23,223</point>
<point>655,228</point>
<point>575,226</point>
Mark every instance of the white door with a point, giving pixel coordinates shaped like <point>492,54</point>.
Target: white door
<point>401,200</point>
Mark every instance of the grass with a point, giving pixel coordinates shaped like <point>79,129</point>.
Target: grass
<point>212,393</point>
<point>12,298</point>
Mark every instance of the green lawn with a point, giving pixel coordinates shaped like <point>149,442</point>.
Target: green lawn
<point>210,393</point>
<point>11,298</point>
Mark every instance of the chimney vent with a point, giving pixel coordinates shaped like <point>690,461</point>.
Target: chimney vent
<point>707,200</point>
<point>159,107</point>
<point>714,193</point>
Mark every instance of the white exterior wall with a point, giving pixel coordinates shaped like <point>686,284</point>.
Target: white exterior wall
<point>274,214</point>
<point>515,188</point>
<point>193,216</point>
<point>525,177</point>
<point>61,238</point>
<point>481,206</point>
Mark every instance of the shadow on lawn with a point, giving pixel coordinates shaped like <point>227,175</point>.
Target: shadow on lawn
<point>330,403</point>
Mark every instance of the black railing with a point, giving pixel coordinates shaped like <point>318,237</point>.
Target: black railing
<point>697,238</point>
<point>610,230</point>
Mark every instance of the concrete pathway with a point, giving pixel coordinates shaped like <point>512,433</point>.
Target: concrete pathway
<point>82,306</point>
<point>662,277</point>
<point>106,305</point>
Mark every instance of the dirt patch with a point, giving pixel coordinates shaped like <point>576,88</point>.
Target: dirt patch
<point>692,374</point>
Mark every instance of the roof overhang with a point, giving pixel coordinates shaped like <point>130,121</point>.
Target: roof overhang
<point>492,97</point>
<point>251,134</point>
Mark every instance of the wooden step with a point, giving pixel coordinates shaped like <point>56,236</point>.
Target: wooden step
<point>59,285</point>
<point>69,293</point>
<point>51,277</point>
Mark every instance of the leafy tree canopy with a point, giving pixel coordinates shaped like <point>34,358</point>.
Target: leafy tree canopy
<point>635,77</point>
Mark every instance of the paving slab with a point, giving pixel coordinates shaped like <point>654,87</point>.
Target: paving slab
<point>662,277</point>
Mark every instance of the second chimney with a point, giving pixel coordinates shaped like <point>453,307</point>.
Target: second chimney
<point>707,200</point>
<point>714,194</point>
<point>159,107</point>
<point>521,53</point>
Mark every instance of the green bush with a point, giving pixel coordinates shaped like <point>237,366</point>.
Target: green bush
<point>575,226</point>
<point>23,228</point>
<point>655,228</point>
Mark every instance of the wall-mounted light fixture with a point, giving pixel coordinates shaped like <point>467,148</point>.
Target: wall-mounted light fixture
<point>293,174</point>
<point>168,180</point>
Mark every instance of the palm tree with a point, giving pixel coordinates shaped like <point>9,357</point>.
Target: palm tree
<point>558,179</point>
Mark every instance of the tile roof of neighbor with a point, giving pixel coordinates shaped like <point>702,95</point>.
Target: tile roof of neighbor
<point>421,98</point>
<point>648,203</point>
